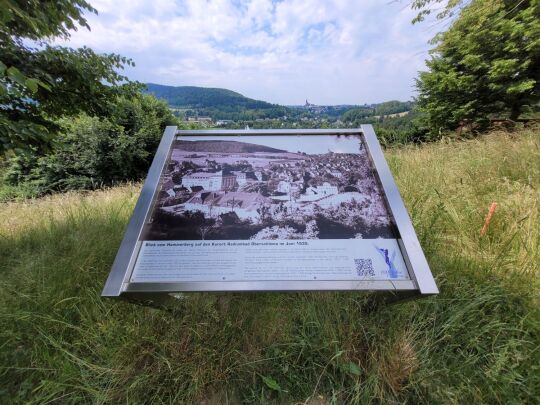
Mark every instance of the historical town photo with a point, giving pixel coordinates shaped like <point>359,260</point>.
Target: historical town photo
<point>269,187</point>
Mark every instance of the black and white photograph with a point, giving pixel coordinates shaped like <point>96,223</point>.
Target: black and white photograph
<point>269,187</point>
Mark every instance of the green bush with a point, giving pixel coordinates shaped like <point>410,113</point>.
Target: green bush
<point>92,152</point>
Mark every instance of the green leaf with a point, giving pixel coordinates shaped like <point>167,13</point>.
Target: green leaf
<point>44,85</point>
<point>354,369</point>
<point>271,383</point>
<point>16,75</point>
<point>521,87</point>
<point>32,84</point>
<point>2,68</point>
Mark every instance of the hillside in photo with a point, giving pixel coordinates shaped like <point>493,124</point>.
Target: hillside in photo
<point>224,147</point>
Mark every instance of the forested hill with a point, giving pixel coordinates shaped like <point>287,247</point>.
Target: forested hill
<point>224,147</point>
<point>224,104</point>
<point>201,97</point>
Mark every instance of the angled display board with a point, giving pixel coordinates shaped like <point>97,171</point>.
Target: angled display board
<point>269,210</point>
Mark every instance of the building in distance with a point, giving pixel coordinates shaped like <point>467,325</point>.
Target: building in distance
<point>209,181</point>
<point>213,204</point>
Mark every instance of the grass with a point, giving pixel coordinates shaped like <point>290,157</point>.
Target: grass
<point>477,342</point>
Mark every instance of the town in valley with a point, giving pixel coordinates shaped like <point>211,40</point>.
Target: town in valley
<point>239,190</point>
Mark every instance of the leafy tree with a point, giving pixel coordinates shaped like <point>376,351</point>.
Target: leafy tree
<point>40,83</point>
<point>91,152</point>
<point>487,63</point>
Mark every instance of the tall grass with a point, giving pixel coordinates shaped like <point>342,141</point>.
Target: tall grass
<point>477,342</point>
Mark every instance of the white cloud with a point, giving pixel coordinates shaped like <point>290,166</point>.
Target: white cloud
<point>337,52</point>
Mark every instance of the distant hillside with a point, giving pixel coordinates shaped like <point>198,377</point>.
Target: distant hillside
<point>388,108</point>
<point>203,97</point>
<point>223,104</point>
<point>224,146</point>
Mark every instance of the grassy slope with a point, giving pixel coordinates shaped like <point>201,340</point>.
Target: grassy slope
<point>474,343</point>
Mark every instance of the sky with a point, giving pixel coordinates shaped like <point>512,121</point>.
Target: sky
<point>310,144</point>
<point>328,52</point>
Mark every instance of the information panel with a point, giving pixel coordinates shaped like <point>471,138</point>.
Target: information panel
<point>268,210</point>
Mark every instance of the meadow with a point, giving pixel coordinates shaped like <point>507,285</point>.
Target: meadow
<point>476,342</point>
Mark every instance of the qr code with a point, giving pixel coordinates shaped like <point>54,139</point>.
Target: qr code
<point>364,267</point>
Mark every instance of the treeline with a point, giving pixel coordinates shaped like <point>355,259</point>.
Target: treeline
<point>237,113</point>
<point>203,97</point>
<point>224,104</point>
<point>378,110</point>
<point>90,152</point>
<point>219,104</point>
<point>395,122</point>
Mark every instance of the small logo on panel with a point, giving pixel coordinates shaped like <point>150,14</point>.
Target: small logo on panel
<point>392,271</point>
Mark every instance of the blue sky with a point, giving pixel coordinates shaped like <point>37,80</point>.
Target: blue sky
<point>339,52</point>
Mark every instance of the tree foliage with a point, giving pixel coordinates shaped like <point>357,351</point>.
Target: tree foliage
<point>425,8</point>
<point>90,151</point>
<point>217,103</point>
<point>487,63</point>
<point>377,110</point>
<point>40,83</point>
<point>191,96</point>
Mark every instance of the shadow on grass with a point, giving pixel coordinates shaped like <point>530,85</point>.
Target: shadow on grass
<point>477,341</point>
